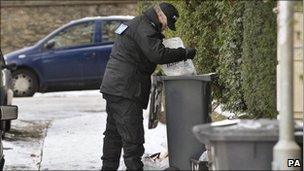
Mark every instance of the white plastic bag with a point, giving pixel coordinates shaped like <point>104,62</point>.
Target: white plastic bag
<point>177,68</point>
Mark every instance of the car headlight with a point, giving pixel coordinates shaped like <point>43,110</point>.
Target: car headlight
<point>4,78</point>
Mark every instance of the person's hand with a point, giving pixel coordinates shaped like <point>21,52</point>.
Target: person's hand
<point>190,53</point>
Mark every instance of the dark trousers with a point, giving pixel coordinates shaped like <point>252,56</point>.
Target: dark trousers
<point>124,130</point>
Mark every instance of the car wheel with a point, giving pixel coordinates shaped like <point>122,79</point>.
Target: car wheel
<point>6,126</point>
<point>2,162</point>
<point>25,83</point>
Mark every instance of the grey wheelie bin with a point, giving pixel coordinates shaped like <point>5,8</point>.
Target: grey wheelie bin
<point>242,144</point>
<point>187,103</point>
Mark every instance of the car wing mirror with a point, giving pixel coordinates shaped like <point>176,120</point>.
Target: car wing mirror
<point>50,44</point>
<point>11,67</point>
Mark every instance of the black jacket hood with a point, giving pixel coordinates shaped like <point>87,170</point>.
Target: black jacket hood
<point>152,17</point>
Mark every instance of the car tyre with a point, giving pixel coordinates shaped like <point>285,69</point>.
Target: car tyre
<point>6,126</point>
<point>25,83</point>
<point>2,162</point>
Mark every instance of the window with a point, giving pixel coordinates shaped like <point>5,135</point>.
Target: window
<point>80,34</point>
<point>108,28</point>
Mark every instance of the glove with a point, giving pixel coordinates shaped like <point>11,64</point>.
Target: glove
<point>190,53</point>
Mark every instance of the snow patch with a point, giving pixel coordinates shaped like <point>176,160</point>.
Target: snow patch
<point>84,93</point>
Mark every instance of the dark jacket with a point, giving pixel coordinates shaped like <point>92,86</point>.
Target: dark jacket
<point>135,54</point>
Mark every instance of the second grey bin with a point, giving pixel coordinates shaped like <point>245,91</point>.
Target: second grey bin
<point>244,145</point>
<point>187,103</point>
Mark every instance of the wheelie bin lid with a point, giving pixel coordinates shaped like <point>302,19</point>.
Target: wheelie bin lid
<point>241,130</point>
<point>203,77</point>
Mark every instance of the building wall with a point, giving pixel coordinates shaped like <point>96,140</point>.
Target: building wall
<point>25,22</point>
<point>298,66</point>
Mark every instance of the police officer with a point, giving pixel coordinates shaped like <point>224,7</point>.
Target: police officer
<point>126,83</point>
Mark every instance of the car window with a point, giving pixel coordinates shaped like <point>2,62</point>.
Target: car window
<point>80,34</point>
<point>108,29</point>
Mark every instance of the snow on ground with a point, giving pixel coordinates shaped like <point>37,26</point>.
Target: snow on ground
<point>28,154</point>
<point>156,141</point>
<point>74,143</point>
<point>83,93</point>
<point>81,146</point>
<point>227,114</point>
<point>22,147</point>
<point>63,130</point>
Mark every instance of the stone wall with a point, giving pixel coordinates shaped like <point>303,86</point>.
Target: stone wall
<point>25,22</point>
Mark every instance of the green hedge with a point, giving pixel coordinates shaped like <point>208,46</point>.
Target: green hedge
<point>236,39</point>
<point>259,58</point>
<point>142,5</point>
<point>229,70</point>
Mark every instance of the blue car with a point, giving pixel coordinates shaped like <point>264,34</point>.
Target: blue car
<point>73,57</point>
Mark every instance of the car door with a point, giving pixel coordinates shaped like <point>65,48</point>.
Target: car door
<point>96,65</point>
<point>62,63</point>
